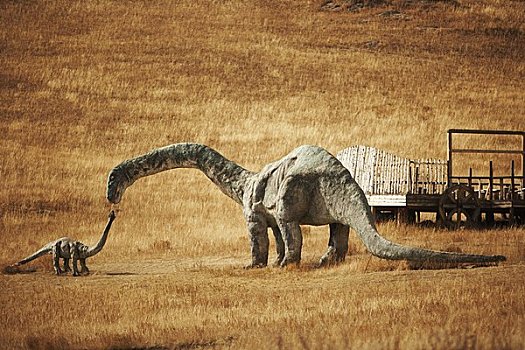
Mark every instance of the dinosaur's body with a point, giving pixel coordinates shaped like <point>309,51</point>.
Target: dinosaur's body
<point>66,248</point>
<point>308,186</point>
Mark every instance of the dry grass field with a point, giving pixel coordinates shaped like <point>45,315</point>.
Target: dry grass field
<point>87,84</point>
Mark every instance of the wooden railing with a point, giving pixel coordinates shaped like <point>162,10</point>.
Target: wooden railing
<point>382,173</point>
<point>429,176</point>
<point>490,187</point>
<point>510,187</point>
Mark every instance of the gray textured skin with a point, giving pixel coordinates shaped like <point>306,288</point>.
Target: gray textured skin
<point>66,248</point>
<point>308,186</point>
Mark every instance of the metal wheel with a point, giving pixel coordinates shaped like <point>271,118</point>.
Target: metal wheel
<point>459,207</point>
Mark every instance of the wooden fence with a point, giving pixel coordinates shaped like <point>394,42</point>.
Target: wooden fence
<point>382,173</point>
<point>429,176</point>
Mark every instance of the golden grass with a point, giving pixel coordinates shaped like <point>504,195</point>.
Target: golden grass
<point>86,84</point>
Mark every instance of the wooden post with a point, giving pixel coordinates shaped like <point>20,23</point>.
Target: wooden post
<point>405,216</point>
<point>491,179</point>
<point>481,194</point>
<point>409,184</point>
<point>442,176</point>
<point>433,178</point>
<point>417,180</point>
<point>512,184</point>
<point>449,158</point>
<point>522,189</point>
<point>427,182</point>
<point>374,213</point>
<point>523,162</point>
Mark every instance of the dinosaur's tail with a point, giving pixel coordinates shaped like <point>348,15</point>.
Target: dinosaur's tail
<point>355,212</point>
<point>42,251</point>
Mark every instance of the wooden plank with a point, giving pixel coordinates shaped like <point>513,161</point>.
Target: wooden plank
<point>486,132</point>
<point>406,176</point>
<point>425,202</point>
<point>473,150</point>
<point>443,177</point>
<point>466,177</point>
<point>370,169</point>
<point>386,200</point>
<point>354,160</point>
<point>497,204</point>
<point>389,174</point>
<point>382,173</point>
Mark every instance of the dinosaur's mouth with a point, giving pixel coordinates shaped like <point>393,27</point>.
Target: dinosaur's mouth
<point>114,198</point>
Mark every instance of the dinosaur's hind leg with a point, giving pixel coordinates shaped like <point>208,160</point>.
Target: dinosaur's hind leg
<point>291,206</point>
<point>67,268</point>
<point>337,245</point>
<point>74,255</point>
<point>83,268</point>
<point>293,240</point>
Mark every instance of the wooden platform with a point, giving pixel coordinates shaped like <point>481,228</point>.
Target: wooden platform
<point>402,187</point>
<point>406,208</point>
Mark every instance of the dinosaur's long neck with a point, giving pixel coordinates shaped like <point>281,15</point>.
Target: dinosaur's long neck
<point>101,242</point>
<point>227,175</point>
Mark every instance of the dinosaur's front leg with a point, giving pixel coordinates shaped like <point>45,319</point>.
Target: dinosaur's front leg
<point>337,245</point>
<point>293,241</point>
<point>279,246</point>
<point>258,232</point>
<point>56,258</point>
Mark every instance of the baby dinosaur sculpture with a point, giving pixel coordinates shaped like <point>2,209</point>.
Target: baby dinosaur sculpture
<point>66,248</point>
<point>308,186</point>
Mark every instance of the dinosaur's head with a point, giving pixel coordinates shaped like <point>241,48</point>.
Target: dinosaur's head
<point>118,181</point>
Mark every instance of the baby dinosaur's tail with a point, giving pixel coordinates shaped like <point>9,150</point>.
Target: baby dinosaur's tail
<point>42,251</point>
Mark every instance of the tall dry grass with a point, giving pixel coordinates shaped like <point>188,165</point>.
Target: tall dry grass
<point>86,84</point>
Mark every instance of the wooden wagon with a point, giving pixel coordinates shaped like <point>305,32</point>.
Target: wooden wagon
<point>405,188</point>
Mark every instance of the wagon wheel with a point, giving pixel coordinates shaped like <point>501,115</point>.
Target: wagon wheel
<point>459,207</point>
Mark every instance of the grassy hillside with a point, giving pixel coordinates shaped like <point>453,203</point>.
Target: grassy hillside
<point>86,84</point>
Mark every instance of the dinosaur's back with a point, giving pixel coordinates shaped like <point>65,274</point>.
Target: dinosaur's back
<point>315,162</point>
<point>313,167</point>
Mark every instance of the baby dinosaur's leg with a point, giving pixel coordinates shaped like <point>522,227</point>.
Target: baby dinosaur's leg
<point>74,255</point>
<point>66,265</point>
<point>83,266</point>
<point>56,258</point>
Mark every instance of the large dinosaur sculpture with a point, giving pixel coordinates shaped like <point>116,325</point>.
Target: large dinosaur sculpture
<point>308,186</point>
<point>66,248</point>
